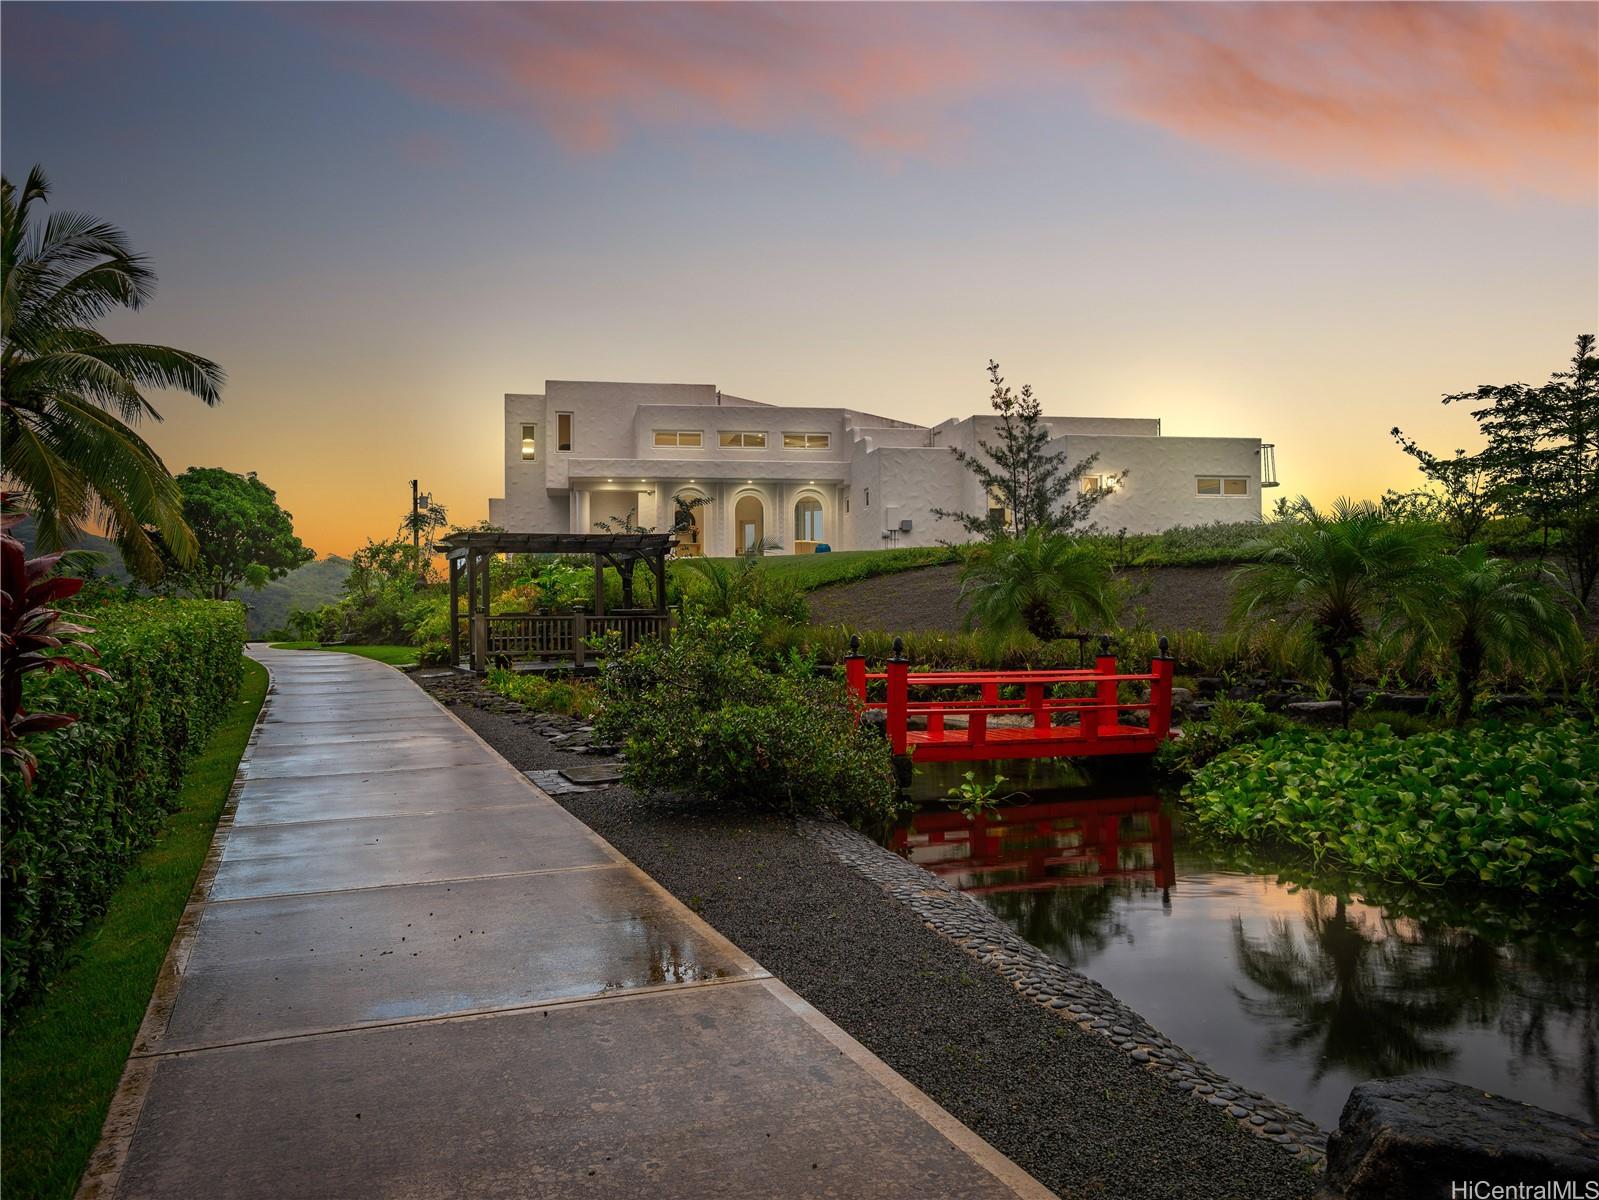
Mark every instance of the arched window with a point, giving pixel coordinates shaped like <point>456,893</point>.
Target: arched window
<point>808,520</point>
<point>749,521</point>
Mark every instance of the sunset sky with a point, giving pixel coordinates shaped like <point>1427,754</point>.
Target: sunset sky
<point>1303,223</point>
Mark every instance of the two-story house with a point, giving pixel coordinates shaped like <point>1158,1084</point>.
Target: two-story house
<point>582,453</point>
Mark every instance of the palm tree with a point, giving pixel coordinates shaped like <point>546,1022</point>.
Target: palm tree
<point>69,395</point>
<point>1489,613</point>
<point>1038,583</point>
<point>1337,576</point>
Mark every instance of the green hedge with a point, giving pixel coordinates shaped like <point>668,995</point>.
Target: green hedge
<point>1497,805</point>
<point>106,783</point>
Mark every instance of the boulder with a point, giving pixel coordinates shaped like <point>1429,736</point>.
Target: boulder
<point>1405,702</point>
<point>1277,701</point>
<point>1316,710</point>
<point>1207,685</point>
<point>1181,697</point>
<point>1241,691</point>
<point>1409,1137</point>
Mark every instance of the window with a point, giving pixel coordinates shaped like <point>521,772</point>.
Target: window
<point>743,441</point>
<point>563,431</point>
<point>806,441</point>
<point>1222,485</point>
<point>1093,484</point>
<point>530,442</point>
<point>678,437</point>
<point>998,510</point>
<point>808,519</point>
<point>868,492</point>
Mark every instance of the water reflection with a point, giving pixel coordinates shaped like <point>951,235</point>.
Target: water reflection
<point>1299,984</point>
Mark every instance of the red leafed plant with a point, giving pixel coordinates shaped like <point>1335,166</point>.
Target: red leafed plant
<point>33,637</point>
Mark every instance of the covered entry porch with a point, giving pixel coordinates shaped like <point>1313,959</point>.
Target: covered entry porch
<point>544,637</point>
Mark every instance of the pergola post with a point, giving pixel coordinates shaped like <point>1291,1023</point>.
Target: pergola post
<point>599,585</point>
<point>455,615</point>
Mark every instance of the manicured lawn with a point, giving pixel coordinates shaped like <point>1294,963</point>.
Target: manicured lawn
<point>395,656</point>
<point>65,1053</point>
<point>807,571</point>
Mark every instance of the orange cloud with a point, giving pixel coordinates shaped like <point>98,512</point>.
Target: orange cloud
<point>1502,97</point>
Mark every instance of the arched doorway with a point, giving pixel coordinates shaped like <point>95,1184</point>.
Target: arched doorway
<point>808,520</point>
<point>688,523</point>
<point>749,523</point>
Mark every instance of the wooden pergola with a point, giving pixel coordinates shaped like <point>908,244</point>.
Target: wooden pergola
<point>546,637</point>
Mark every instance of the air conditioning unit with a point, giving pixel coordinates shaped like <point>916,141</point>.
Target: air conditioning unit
<point>905,525</point>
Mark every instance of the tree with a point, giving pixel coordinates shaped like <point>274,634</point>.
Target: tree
<point>1466,496</point>
<point>242,534</point>
<point>69,396</point>
<point>1040,582</point>
<point>1336,576</point>
<point>1027,486</point>
<point>1488,613</point>
<point>1541,459</point>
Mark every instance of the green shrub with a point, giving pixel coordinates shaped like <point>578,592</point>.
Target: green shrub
<point>106,783</point>
<point>559,695</point>
<point>1513,806</point>
<point>434,654</point>
<point>706,716</point>
<point>1229,723</point>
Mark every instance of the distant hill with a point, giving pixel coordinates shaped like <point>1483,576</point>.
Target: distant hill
<point>311,586</point>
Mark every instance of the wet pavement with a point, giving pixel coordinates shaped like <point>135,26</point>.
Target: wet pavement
<point>414,975</point>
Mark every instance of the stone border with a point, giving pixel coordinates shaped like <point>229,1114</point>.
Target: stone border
<point>1069,993</point>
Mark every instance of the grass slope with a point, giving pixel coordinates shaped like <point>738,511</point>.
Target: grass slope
<point>808,571</point>
<point>395,656</point>
<point>65,1053</point>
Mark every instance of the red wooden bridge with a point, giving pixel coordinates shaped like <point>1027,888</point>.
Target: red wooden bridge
<point>944,716</point>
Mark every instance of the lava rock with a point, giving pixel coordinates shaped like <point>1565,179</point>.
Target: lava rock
<point>1404,702</point>
<point>1397,1138</point>
<point>1316,710</point>
<point>1181,697</point>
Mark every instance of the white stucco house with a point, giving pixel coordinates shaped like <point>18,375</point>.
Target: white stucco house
<point>582,452</point>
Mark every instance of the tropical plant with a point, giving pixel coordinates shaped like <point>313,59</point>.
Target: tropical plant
<point>69,396</point>
<point>1040,583</point>
<point>1337,576</point>
<point>1027,486</point>
<point>1509,806</point>
<point>975,798</point>
<point>33,638</point>
<point>242,534</point>
<point>720,590</point>
<point>1488,613</point>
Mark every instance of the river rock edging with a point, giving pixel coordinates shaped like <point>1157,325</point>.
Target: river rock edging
<point>1072,995</point>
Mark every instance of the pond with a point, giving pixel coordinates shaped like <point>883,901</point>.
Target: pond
<point>1296,984</point>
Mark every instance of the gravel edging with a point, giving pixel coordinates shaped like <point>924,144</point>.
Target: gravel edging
<point>1063,1103</point>
<point>1068,993</point>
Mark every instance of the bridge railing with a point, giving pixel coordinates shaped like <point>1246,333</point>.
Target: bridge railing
<point>1098,715</point>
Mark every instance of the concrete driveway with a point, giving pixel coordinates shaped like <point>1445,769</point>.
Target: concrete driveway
<point>407,972</point>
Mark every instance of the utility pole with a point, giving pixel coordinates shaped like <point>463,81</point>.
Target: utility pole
<point>416,525</point>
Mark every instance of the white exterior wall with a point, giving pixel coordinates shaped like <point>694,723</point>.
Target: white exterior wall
<point>614,466</point>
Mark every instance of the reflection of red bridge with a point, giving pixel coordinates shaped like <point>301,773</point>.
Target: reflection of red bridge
<point>1035,846</point>
<point>1016,714</point>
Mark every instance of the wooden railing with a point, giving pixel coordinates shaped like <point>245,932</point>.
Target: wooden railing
<point>555,637</point>
<point>958,725</point>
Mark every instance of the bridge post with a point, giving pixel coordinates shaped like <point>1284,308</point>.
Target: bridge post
<point>1162,668</point>
<point>898,670</point>
<point>855,668</point>
<point>1105,689</point>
